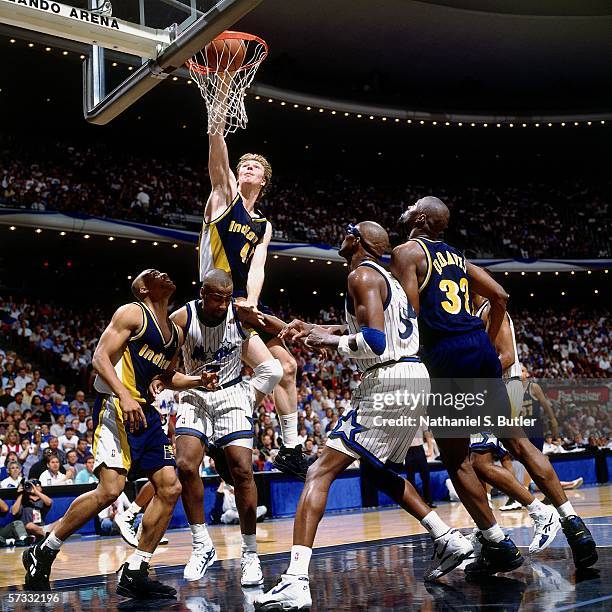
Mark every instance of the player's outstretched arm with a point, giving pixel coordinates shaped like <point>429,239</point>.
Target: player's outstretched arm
<point>125,322</point>
<point>257,274</point>
<point>404,265</point>
<point>222,179</point>
<point>484,284</point>
<point>366,290</point>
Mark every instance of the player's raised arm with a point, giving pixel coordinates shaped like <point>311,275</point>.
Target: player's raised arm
<point>125,322</point>
<point>257,272</point>
<point>484,284</point>
<point>222,179</point>
<point>404,265</point>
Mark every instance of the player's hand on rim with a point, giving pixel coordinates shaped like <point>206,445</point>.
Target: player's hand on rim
<point>132,412</point>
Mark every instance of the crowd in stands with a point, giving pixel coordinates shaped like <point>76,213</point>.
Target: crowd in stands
<point>567,219</point>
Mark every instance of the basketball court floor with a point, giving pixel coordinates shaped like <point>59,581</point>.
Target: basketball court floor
<point>362,561</point>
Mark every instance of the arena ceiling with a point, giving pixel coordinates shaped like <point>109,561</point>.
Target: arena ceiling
<point>522,56</point>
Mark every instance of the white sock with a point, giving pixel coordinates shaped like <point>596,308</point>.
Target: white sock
<point>300,560</point>
<point>566,510</point>
<point>535,506</point>
<point>200,536</point>
<point>493,534</point>
<point>435,525</point>
<point>133,509</point>
<point>53,542</point>
<point>288,426</point>
<point>249,543</point>
<point>137,557</point>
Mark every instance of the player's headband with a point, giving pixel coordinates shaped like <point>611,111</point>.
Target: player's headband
<point>353,230</point>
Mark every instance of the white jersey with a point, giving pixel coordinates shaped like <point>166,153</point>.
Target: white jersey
<point>401,329</point>
<point>515,369</point>
<point>214,348</point>
<point>166,404</point>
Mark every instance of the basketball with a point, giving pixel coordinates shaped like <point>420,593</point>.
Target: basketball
<point>225,55</point>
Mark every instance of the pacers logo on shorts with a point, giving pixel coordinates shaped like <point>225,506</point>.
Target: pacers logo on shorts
<point>168,452</point>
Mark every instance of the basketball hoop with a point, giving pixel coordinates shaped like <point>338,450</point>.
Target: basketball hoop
<point>223,70</point>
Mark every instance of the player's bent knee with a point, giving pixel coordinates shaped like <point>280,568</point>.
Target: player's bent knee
<point>241,474</point>
<point>267,375</point>
<point>289,365</point>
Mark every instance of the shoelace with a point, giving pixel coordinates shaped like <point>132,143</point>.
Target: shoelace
<point>248,561</point>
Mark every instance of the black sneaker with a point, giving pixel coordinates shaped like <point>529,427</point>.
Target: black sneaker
<point>136,584</point>
<point>580,540</point>
<point>495,557</point>
<point>37,562</point>
<point>291,461</point>
<point>218,456</point>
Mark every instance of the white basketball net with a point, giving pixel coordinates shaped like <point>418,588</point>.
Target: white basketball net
<point>224,90</point>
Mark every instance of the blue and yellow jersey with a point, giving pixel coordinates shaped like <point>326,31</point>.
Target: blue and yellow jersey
<point>532,409</point>
<point>228,242</point>
<point>445,304</point>
<point>146,355</point>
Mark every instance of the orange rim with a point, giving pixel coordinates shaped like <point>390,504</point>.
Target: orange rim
<point>231,35</point>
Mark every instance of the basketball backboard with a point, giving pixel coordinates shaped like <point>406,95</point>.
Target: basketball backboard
<point>150,38</point>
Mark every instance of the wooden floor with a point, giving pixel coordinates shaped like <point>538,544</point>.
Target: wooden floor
<point>90,556</point>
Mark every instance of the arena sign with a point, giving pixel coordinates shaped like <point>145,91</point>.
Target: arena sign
<point>580,394</point>
<point>77,24</point>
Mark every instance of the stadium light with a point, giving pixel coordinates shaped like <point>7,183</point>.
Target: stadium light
<point>129,277</point>
<point>531,295</point>
<point>62,233</point>
<point>133,241</point>
<point>38,230</point>
<point>111,238</point>
<point>563,293</point>
<point>87,236</point>
<point>275,256</point>
<point>596,291</point>
<point>314,293</point>
<point>282,290</point>
<point>155,243</point>
<point>341,294</point>
<point>13,228</point>
<point>328,262</point>
<point>294,259</point>
<point>193,282</point>
<point>175,246</point>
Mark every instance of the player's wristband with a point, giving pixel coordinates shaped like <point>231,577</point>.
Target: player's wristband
<point>364,349</point>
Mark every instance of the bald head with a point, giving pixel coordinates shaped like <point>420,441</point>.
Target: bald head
<point>139,284</point>
<point>429,214</point>
<point>375,236</point>
<point>216,280</point>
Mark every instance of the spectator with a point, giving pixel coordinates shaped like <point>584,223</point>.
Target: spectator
<point>28,394</point>
<point>31,507</point>
<point>13,533</point>
<point>68,441</point>
<point>16,404</point>
<point>87,476</point>
<point>52,476</point>
<point>38,468</point>
<point>72,463</point>
<point>14,476</point>
<point>58,429</point>
<point>80,403</point>
<point>82,450</point>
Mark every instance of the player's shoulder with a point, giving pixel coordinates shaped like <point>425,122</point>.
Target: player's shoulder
<point>365,275</point>
<point>410,249</point>
<point>179,316</point>
<point>129,313</point>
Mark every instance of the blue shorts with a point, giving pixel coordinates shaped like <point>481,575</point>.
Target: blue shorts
<point>486,442</point>
<point>138,453</point>
<point>467,364</point>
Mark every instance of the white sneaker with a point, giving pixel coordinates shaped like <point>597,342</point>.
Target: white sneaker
<point>201,559</point>
<point>251,570</point>
<point>291,593</point>
<point>125,524</point>
<point>574,484</point>
<point>450,550</point>
<point>162,542</point>
<point>511,505</point>
<point>547,524</point>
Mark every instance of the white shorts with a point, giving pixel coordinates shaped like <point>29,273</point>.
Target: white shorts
<point>487,442</point>
<point>223,417</point>
<point>385,414</point>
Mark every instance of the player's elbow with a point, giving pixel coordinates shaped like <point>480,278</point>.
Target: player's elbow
<point>507,359</point>
<point>499,298</point>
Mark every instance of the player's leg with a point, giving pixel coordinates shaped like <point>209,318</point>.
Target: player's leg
<point>293,588</point>
<point>539,468</point>
<point>38,559</point>
<point>189,456</point>
<point>134,581</point>
<point>546,520</point>
<point>239,455</point>
<point>125,522</point>
<point>290,458</point>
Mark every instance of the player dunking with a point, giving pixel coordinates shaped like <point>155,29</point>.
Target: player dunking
<point>213,340</point>
<point>235,238</point>
<point>457,348</point>
<point>139,343</point>
<point>384,340</point>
